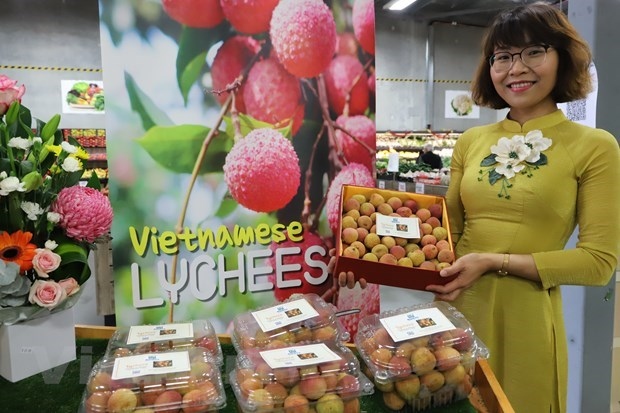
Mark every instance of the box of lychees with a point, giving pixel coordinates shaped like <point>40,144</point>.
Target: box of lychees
<point>420,356</point>
<point>394,238</point>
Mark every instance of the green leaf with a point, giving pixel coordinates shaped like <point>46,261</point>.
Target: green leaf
<point>11,114</point>
<point>190,74</point>
<point>248,124</point>
<point>489,160</point>
<point>494,176</point>
<point>50,127</point>
<point>73,262</point>
<point>226,208</point>
<point>176,147</point>
<point>149,113</point>
<point>94,182</point>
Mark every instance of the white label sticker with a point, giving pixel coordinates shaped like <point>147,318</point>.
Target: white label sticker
<point>419,188</point>
<point>284,314</point>
<point>416,323</point>
<point>402,227</point>
<point>150,363</point>
<point>148,334</point>
<point>299,356</point>
<point>402,186</point>
<point>381,184</point>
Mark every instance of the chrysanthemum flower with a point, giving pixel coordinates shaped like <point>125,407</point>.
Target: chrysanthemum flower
<point>17,248</point>
<point>86,214</point>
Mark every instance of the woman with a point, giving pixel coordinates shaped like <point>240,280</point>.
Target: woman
<point>518,189</point>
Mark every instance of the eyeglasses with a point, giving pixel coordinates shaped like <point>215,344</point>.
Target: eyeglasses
<point>531,56</point>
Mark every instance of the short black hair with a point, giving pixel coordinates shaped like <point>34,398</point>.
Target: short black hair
<point>537,23</point>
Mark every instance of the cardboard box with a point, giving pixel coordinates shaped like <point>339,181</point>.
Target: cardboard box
<point>33,346</point>
<point>387,274</point>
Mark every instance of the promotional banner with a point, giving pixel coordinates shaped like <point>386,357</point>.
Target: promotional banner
<point>231,126</point>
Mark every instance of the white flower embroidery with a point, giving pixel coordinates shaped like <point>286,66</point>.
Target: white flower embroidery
<point>511,156</point>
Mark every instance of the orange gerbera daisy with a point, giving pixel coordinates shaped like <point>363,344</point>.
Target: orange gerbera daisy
<point>17,248</point>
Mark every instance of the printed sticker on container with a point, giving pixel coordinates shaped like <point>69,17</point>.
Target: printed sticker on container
<point>150,363</point>
<point>299,356</point>
<point>284,314</point>
<point>416,323</point>
<point>403,227</point>
<point>148,333</point>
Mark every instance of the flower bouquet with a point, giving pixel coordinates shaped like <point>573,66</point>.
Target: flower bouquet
<point>48,222</point>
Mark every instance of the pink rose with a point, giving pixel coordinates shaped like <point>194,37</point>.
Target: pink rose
<point>45,261</point>
<point>70,286</point>
<point>46,294</point>
<point>9,93</point>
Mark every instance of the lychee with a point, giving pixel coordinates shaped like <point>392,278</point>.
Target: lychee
<point>262,171</point>
<point>346,44</point>
<point>230,60</point>
<point>345,77</point>
<point>249,16</point>
<point>364,24</point>
<point>194,13</point>
<point>352,174</point>
<point>273,95</point>
<point>303,34</point>
<point>357,139</point>
<point>311,250</point>
<point>367,300</point>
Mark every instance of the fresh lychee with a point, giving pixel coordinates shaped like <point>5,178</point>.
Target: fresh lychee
<point>367,300</point>
<point>352,174</point>
<point>273,95</point>
<point>364,24</point>
<point>303,34</point>
<point>249,16</point>
<point>345,77</point>
<point>230,60</point>
<point>311,250</point>
<point>357,139</point>
<point>194,13</point>
<point>262,171</point>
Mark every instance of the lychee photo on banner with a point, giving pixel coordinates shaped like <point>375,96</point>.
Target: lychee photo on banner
<point>231,127</point>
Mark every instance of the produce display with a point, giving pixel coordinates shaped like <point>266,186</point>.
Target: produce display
<point>86,95</point>
<point>301,318</point>
<point>128,341</point>
<point>420,356</point>
<point>394,228</point>
<point>187,381</point>
<point>319,377</point>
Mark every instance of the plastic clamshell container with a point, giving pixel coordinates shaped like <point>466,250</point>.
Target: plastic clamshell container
<point>420,356</point>
<point>187,379</point>
<point>416,278</point>
<point>301,318</point>
<point>127,341</point>
<point>277,380</point>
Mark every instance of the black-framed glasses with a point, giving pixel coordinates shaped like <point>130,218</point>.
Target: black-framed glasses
<point>531,56</point>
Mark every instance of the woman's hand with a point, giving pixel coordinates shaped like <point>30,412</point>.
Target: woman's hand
<point>467,269</point>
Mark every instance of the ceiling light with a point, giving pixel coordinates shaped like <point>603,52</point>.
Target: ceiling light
<point>399,4</point>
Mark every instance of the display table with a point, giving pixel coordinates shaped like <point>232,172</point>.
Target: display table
<point>60,390</point>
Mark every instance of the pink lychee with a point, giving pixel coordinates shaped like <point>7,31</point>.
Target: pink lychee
<point>345,76</point>
<point>367,300</point>
<point>364,24</point>
<point>249,16</point>
<point>363,129</point>
<point>262,171</point>
<point>194,13</point>
<point>311,245</point>
<point>303,34</point>
<point>230,60</point>
<point>352,174</point>
<point>273,95</point>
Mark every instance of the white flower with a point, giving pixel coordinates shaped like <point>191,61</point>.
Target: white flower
<point>71,164</point>
<point>3,175</point>
<point>20,143</point>
<point>11,184</point>
<point>67,147</point>
<point>32,210</point>
<point>37,139</point>
<point>50,244</point>
<point>53,217</point>
<point>537,143</point>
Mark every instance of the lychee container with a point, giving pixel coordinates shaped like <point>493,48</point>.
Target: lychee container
<point>187,379</point>
<point>140,339</point>
<point>321,376</point>
<point>415,278</point>
<point>301,318</point>
<point>420,356</point>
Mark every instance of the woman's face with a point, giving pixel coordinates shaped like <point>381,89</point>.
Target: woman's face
<point>527,90</point>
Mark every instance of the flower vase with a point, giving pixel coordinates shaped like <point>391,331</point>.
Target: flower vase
<point>33,346</point>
